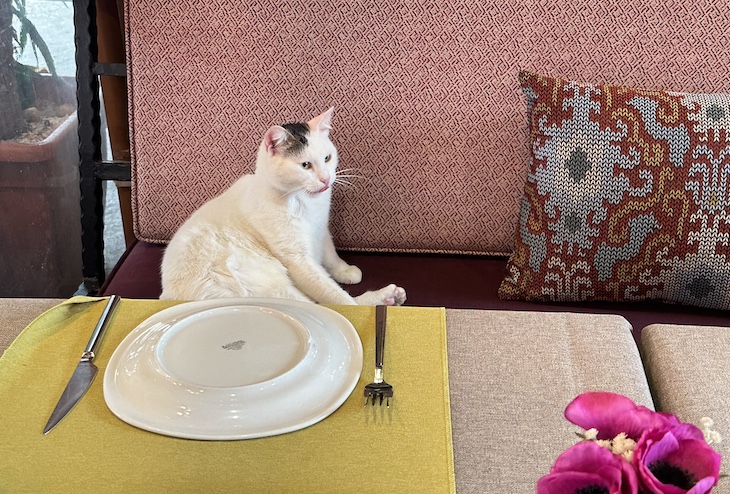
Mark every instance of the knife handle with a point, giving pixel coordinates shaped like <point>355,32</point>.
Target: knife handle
<point>100,327</point>
<point>380,316</point>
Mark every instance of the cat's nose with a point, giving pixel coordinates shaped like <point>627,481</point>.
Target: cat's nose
<point>325,181</point>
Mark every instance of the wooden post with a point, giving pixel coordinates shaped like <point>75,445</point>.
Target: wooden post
<point>114,90</point>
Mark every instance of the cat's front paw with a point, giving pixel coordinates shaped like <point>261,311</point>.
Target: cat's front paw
<point>350,275</point>
<point>389,295</point>
<point>397,297</point>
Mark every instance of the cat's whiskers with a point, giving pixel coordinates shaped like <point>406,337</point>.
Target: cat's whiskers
<point>294,201</point>
<point>293,194</point>
<point>344,173</point>
<point>341,177</point>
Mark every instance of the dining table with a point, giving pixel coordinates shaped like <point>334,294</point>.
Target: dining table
<point>469,388</point>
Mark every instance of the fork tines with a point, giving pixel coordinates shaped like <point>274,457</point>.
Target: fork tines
<point>379,391</point>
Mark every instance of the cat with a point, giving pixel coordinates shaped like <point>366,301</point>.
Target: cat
<point>268,235</point>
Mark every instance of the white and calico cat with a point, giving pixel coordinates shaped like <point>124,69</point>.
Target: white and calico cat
<point>267,235</point>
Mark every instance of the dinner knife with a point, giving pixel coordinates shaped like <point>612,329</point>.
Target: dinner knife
<point>85,371</point>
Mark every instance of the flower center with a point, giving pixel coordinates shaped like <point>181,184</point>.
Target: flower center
<point>593,489</point>
<point>666,473</point>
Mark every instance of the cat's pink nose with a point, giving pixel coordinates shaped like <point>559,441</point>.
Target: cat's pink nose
<point>325,181</point>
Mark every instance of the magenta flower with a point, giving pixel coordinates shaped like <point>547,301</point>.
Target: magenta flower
<point>612,414</point>
<point>588,468</point>
<point>676,460</point>
<point>630,449</point>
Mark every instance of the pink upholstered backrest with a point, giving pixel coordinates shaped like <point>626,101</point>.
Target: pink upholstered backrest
<point>427,103</point>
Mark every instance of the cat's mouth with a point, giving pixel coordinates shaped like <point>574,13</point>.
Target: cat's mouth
<point>320,190</point>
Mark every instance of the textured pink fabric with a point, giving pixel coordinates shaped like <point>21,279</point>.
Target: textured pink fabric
<point>428,107</point>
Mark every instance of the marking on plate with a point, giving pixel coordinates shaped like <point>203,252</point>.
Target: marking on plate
<point>234,345</point>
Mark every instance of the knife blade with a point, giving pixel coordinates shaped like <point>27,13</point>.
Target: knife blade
<point>85,371</point>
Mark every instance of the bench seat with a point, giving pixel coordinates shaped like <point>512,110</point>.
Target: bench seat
<point>451,281</point>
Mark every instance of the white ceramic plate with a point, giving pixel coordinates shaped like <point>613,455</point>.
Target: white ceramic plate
<point>233,369</point>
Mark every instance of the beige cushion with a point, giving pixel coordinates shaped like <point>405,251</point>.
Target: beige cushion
<point>17,313</point>
<point>689,375</point>
<point>511,375</point>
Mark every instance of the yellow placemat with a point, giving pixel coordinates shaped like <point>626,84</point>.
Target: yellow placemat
<point>407,448</point>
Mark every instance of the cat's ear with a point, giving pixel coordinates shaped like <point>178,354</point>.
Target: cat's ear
<point>323,122</point>
<point>274,138</point>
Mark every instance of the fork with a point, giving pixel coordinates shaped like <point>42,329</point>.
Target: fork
<point>379,389</point>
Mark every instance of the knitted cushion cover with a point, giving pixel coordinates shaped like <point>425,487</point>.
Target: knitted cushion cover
<point>626,197</point>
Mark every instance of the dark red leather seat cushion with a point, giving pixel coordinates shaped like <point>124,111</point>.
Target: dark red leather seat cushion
<point>464,282</point>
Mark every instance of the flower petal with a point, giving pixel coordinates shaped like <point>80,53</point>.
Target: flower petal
<point>585,456</point>
<point>570,482</point>
<point>587,464</point>
<point>612,414</point>
<point>676,461</point>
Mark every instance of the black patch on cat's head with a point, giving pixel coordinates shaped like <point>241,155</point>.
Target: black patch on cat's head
<point>297,139</point>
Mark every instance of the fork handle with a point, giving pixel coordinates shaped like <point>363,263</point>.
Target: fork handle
<point>380,316</point>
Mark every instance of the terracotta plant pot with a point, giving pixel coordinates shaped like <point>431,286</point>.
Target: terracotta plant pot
<point>40,226</point>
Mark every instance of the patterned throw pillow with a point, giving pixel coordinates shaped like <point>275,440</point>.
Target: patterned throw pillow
<point>627,196</point>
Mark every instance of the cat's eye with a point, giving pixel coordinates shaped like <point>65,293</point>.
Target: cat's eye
<point>307,165</point>
<point>327,158</point>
